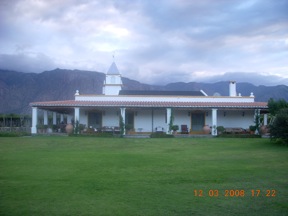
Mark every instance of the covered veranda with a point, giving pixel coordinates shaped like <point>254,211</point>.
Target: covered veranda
<point>146,117</point>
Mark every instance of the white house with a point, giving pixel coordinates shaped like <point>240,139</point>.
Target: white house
<point>150,111</point>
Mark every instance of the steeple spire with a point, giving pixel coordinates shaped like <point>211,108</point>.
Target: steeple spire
<point>113,82</point>
<point>113,69</point>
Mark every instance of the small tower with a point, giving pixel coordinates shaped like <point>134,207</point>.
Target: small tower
<point>113,82</point>
<point>232,89</point>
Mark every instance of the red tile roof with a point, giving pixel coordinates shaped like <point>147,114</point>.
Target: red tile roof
<point>73,103</point>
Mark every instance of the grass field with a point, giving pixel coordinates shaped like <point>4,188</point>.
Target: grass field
<point>114,176</point>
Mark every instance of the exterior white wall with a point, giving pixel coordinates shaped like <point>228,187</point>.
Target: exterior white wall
<point>69,119</point>
<point>159,120</point>
<point>181,117</point>
<point>111,119</point>
<point>113,79</point>
<point>235,118</point>
<point>83,118</point>
<point>208,117</point>
<point>143,120</point>
<point>112,84</point>
<point>110,97</point>
<point>111,89</point>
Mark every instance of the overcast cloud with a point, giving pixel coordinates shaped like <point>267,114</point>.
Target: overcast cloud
<point>154,41</point>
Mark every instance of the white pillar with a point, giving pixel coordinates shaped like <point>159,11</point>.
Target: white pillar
<point>122,113</point>
<point>168,117</point>
<point>61,118</point>
<point>214,122</point>
<point>34,120</point>
<point>54,118</point>
<point>76,114</point>
<point>265,119</point>
<point>45,117</point>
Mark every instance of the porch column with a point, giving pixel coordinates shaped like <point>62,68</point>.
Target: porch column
<point>61,118</point>
<point>168,117</point>
<point>54,118</point>
<point>265,119</point>
<point>122,113</point>
<point>34,120</point>
<point>214,122</point>
<point>45,117</point>
<point>76,114</point>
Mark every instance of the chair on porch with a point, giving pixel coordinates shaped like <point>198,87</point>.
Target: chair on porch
<point>184,129</point>
<point>159,129</point>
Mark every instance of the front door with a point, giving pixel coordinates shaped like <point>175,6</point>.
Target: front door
<point>129,119</point>
<point>197,121</point>
<point>95,120</point>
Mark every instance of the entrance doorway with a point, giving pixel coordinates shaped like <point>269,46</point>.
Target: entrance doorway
<point>95,120</point>
<point>130,119</point>
<point>197,122</point>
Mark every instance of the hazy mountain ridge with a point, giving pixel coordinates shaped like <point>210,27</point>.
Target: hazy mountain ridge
<point>258,79</point>
<point>18,89</point>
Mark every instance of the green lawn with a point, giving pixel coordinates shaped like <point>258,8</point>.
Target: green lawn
<point>114,176</point>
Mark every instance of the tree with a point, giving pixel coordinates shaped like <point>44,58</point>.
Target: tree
<point>275,106</point>
<point>257,122</point>
<point>279,127</point>
<point>122,126</point>
<point>76,127</point>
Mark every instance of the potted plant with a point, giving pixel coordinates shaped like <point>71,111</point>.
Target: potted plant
<point>54,128</point>
<point>40,128</point>
<point>252,129</point>
<point>220,129</point>
<point>174,128</point>
<point>81,128</point>
<point>129,128</point>
<point>69,129</point>
<point>49,128</point>
<point>263,129</point>
<point>206,129</point>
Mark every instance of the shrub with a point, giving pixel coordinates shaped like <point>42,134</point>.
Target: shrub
<point>14,134</point>
<point>93,135</point>
<point>161,135</point>
<point>220,129</point>
<point>175,127</point>
<point>239,136</point>
<point>279,127</point>
<point>252,128</point>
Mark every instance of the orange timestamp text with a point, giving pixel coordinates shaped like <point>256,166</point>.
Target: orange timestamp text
<point>235,193</point>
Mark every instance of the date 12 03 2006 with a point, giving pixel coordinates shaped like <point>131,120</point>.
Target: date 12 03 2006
<point>235,193</point>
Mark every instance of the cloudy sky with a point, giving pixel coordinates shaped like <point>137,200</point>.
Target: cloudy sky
<point>153,41</point>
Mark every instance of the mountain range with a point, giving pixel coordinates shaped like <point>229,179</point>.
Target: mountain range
<point>18,89</point>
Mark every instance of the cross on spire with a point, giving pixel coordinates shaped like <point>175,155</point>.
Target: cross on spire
<point>113,56</point>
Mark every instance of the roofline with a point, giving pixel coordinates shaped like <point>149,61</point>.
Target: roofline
<point>251,105</point>
<point>184,96</point>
